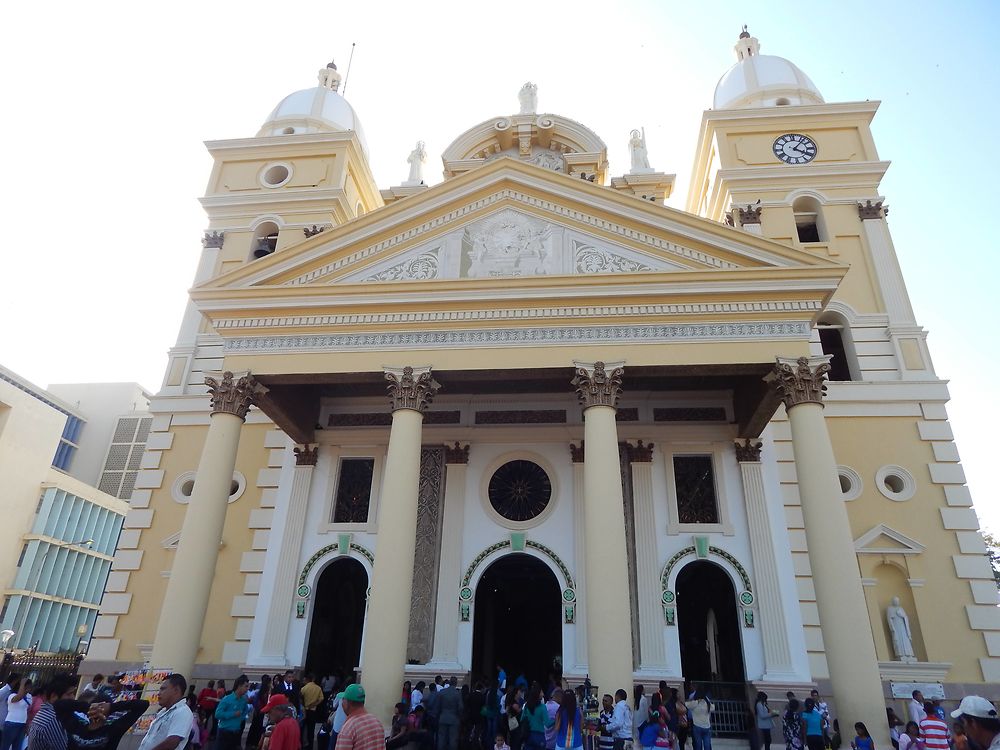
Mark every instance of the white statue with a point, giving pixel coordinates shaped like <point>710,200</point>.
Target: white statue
<point>899,627</point>
<point>528,96</point>
<point>416,159</point>
<point>637,148</point>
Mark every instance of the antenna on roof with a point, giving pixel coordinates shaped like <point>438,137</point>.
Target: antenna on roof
<point>348,74</point>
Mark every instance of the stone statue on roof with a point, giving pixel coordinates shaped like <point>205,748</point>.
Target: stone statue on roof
<point>528,96</point>
<point>637,148</point>
<point>416,159</point>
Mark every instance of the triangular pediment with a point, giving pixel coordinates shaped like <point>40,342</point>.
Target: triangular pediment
<point>508,219</point>
<point>882,539</point>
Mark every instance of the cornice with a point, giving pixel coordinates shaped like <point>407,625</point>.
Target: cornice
<point>784,114</point>
<point>819,282</point>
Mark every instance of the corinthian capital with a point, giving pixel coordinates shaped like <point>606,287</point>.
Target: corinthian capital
<point>411,388</point>
<point>596,386</point>
<point>800,381</point>
<point>233,394</point>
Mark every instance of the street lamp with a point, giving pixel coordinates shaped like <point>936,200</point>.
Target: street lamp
<point>31,589</point>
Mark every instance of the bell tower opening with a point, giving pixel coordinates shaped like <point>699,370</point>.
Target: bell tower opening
<point>517,594</point>
<point>338,618</point>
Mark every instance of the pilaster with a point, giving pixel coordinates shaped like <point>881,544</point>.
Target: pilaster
<point>281,566</point>
<point>580,557</point>
<point>445,654</point>
<point>774,622</point>
<point>652,647</point>
<point>886,264</point>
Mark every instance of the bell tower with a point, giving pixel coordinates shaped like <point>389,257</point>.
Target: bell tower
<point>774,158</point>
<point>305,171</point>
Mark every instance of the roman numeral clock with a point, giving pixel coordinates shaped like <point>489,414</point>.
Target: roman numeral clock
<point>794,148</point>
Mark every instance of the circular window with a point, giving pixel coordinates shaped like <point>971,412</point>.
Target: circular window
<point>895,483</point>
<point>183,487</point>
<point>275,175</point>
<point>850,482</point>
<point>520,490</point>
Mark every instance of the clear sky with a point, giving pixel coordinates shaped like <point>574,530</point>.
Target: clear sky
<point>105,106</point>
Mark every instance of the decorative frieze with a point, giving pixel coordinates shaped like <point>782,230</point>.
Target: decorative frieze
<point>690,414</point>
<point>233,395</point>
<point>522,416</point>
<point>630,414</point>
<point>411,389</point>
<point>381,419</point>
<point>456,454</point>
<point>801,380</point>
<point>525,313</point>
<point>538,336</point>
<point>213,239</point>
<point>748,451</point>
<point>306,456</point>
<point>869,210</point>
<point>597,387</point>
<point>750,214</point>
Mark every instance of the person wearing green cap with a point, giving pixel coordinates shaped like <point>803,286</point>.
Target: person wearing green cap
<point>362,730</point>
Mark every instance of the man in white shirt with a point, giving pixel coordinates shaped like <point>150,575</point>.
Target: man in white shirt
<point>917,713</point>
<point>171,726</point>
<point>620,725</point>
<point>5,692</point>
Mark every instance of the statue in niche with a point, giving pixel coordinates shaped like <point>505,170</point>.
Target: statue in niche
<point>528,96</point>
<point>416,160</point>
<point>637,148</point>
<point>899,627</point>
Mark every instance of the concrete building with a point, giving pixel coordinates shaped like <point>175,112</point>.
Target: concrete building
<point>59,532</point>
<point>638,442</point>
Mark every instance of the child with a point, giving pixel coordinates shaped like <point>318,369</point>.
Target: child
<point>501,743</point>
<point>864,740</point>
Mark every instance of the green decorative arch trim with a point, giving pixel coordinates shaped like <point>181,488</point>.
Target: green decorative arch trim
<point>321,553</point>
<point>547,551</point>
<point>672,563</point>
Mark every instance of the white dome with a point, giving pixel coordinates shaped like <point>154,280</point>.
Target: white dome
<point>758,80</point>
<point>316,110</point>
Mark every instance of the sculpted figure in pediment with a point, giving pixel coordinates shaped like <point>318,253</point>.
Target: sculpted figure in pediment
<point>510,244</point>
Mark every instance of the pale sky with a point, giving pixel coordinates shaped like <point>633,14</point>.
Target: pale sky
<point>105,106</point>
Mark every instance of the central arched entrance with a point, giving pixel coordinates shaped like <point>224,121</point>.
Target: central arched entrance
<point>708,624</point>
<point>338,618</point>
<point>517,622</point>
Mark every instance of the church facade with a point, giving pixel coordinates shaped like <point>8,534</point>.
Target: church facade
<point>532,416</point>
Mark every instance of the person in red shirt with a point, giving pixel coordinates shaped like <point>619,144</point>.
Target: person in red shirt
<point>362,730</point>
<point>933,731</point>
<point>285,734</point>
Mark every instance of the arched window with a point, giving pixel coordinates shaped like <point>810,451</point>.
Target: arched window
<point>265,239</point>
<point>809,220</point>
<point>835,338</point>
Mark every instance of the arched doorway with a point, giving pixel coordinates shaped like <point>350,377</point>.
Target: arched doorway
<point>708,624</point>
<point>338,618</point>
<point>517,622</point>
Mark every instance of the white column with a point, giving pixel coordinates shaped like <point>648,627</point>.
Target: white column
<point>282,568</point>
<point>445,653</point>
<point>182,616</point>
<point>388,621</point>
<point>609,631</point>
<point>847,640</point>
<point>886,265</point>
<point>770,604</point>
<point>652,647</point>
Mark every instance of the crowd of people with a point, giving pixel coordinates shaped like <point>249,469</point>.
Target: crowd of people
<point>281,712</point>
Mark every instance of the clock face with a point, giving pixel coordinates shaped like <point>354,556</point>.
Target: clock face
<point>794,148</point>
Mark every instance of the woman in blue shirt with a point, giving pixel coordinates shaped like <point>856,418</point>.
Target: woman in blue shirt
<point>812,726</point>
<point>569,723</point>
